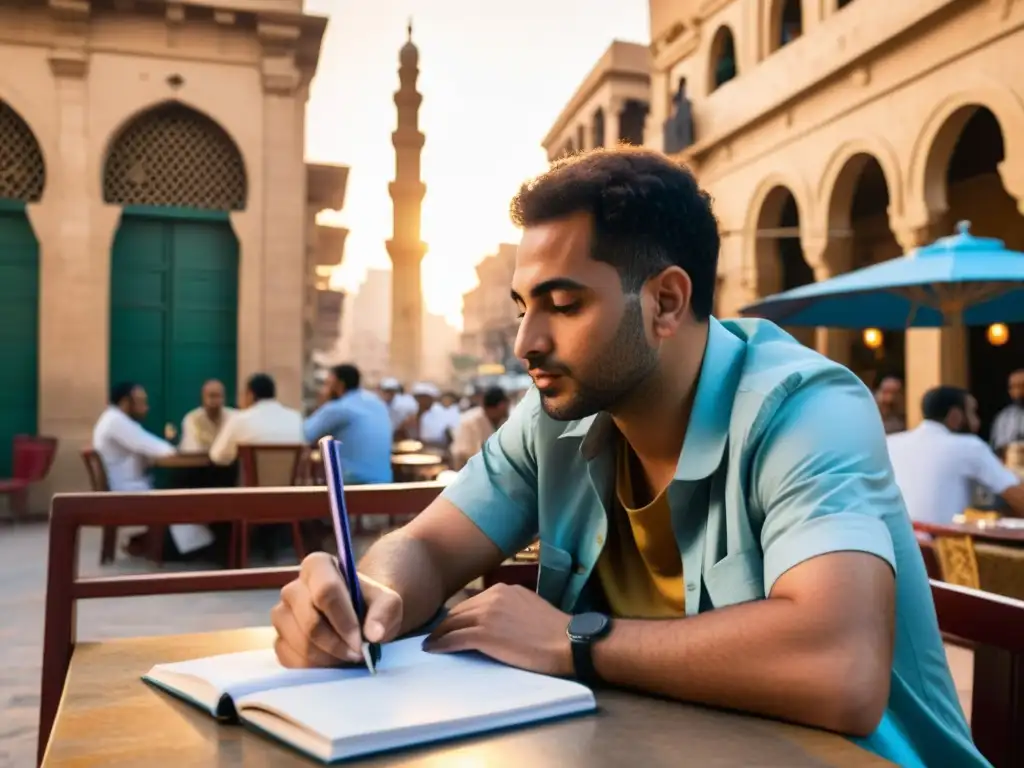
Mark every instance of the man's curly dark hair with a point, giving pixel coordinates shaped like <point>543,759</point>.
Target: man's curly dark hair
<point>648,213</point>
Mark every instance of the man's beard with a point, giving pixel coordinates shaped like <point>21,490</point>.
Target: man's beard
<point>619,368</point>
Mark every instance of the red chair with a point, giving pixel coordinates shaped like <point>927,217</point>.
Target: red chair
<point>32,458</point>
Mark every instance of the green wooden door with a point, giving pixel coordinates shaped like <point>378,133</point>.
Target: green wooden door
<point>19,324</point>
<point>174,307</point>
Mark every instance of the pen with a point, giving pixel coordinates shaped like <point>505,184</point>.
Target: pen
<point>330,455</point>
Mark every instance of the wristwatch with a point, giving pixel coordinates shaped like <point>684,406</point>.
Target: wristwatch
<point>584,630</point>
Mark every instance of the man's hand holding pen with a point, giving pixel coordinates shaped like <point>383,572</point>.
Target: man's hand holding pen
<point>316,623</point>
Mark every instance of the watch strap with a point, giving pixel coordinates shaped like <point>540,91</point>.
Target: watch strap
<point>583,661</point>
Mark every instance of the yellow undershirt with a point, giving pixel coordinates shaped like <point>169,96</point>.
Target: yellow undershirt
<point>640,569</point>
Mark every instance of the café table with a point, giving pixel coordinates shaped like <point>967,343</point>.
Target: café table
<point>108,717</point>
<point>980,531</point>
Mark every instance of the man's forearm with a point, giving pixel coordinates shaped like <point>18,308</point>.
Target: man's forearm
<point>405,565</point>
<point>766,657</point>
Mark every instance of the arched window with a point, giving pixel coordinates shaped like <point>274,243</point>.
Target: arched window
<point>175,156</point>
<point>22,173</point>
<point>723,57</point>
<point>788,23</point>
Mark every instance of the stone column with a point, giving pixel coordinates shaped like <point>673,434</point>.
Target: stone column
<point>284,210</point>
<point>934,356</point>
<point>654,125</point>
<point>612,121</point>
<point>830,258</point>
<point>75,231</point>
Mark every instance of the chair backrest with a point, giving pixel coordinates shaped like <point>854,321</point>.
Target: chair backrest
<point>958,563</point>
<point>97,472</point>
<point>994,626</point>
<point>272,465</point>
<point>32,457</point>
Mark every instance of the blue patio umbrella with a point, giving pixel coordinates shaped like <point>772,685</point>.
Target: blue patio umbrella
<point>957,280</point>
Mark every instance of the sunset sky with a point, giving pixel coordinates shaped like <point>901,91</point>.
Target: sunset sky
<point>494,76</point>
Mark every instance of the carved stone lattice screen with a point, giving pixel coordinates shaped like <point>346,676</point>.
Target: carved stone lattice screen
<point>173,156</point>
<point>22,172</point>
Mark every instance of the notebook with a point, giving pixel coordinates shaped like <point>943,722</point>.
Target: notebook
<point>337,714</point>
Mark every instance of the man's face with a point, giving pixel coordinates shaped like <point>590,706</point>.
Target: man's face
<point>965,421</point>
<point>890,395</point>
<point>1016,387</point>
<point>213,398</point>
<point>387,395</point>
<point>582,338</point>
<point>138,404</point>
<point>333,388</point>
<point>424,402</point>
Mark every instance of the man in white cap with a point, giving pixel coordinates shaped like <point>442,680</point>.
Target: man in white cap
<point>432,422</point>
<point>401,405</point>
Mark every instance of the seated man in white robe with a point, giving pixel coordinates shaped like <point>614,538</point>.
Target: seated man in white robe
<point>127,450</point>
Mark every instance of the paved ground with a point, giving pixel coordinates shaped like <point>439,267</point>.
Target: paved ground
<point>22,587</point>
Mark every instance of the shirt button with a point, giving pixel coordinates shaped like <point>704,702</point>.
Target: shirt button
<point>580,570</point>
<point>690,586</point>
<point>599,539</point>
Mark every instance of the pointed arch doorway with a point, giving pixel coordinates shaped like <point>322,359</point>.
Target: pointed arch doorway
<point>174,264</point>
<point>22,178</point>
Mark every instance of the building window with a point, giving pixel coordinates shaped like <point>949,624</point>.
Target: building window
<point>597,129</point>
<point>678,129</point>
<point>723,58</point>
<point>631,123</point>
<point>789,23</point>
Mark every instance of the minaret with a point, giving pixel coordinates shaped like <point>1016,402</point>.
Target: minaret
<point>405,247</point>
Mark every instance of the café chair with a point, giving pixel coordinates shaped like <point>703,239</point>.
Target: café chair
<point>269,466</point>
<point>32,457</point>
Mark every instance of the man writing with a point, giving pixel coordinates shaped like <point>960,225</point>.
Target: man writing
<point>716,510</point>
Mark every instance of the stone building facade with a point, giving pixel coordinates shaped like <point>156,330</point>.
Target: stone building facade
<point>834,134</point>
<point>609,107</point>
<point>489,316</point>
<point>157,215</point>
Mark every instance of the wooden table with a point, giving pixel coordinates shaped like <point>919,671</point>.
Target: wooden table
<point>110,718</point>
<point>980,531</point>
<point>183,461</point>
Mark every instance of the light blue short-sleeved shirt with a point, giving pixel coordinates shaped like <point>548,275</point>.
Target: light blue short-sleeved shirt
<point>362,422</point>
<point>784,459</point>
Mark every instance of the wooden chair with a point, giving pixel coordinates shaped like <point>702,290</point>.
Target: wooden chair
<point>269,466</point>
<point>994,627</point>
<point>69,513</point>
<point>99,484</point>
<point>32,456</point>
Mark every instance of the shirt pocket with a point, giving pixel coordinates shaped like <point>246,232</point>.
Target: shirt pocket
<point>554,573</point>
<point>737,578</point>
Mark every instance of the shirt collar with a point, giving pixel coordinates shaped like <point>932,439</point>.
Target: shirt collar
<point>708,431</point>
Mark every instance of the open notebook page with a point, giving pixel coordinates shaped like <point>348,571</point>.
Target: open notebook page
<point>207,680</point>
<point>418,698</point>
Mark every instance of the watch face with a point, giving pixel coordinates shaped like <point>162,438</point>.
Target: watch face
<point>587,625</point>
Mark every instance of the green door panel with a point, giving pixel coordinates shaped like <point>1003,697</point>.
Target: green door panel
<point>19,323</point>
<point>204,325</point>
<point>174,308</point>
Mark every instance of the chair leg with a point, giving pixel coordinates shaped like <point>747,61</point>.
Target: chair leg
<point>18,502</point>
<point>243,544</point>
<point>233,537</point>
<point>298,542</point>
<point>108,549</point>
<point>155,537</point>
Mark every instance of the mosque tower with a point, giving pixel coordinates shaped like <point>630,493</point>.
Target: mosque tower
<point>405,247</point>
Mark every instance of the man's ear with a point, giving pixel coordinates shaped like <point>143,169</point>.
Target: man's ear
<point>671,291</point>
